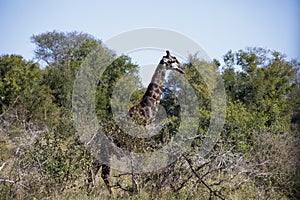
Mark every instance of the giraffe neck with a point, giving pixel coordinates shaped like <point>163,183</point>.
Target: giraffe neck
<point>154,89</point>
<point>159,75</point>
<point>147,108</point>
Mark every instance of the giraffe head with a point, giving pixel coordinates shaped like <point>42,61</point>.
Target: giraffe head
<point>171,63</point>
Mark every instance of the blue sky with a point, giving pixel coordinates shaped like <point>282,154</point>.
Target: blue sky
<point>216,25</point>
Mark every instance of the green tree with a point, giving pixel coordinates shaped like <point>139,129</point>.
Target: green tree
<point>21,85</point>
<point>63,54</point>
<point>261,84</point>
<point>119,68</point>
<point>196,82</point>
<point>56,48</point>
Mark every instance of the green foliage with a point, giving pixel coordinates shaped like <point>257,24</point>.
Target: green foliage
<point>59,47</point>
<point>63,54</point>
<point>17,77</point>
<point>57,159</point>
<point>261,87</point>
<point>119,68</point>
<point>22,87</point>
<point>195,82</point>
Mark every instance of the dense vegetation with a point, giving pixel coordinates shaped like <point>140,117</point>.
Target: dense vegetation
<point>257,156</point>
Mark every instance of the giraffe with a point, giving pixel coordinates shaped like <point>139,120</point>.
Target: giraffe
<point>145,110</point>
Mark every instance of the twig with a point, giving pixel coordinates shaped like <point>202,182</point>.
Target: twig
<point>2,166</point>
<point>6,180</point>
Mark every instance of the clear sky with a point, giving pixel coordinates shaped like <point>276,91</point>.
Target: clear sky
<point>216,25</point>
